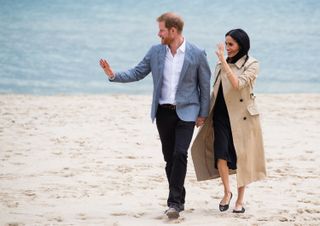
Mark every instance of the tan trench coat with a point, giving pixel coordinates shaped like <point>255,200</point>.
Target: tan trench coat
<point>245,127</point>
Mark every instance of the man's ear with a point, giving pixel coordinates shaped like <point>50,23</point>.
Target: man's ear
<point>173,30</point>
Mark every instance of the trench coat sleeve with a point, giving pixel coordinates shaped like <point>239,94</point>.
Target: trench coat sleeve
<point>249,75</point>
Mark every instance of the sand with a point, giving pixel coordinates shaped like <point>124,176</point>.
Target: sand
<point>96,160</point>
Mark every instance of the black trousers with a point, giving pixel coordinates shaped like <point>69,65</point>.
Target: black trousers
<point>175,136</point>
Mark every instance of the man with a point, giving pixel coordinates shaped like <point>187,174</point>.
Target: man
<point>181,95</point>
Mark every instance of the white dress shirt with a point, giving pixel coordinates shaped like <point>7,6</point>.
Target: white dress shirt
<point>171,74</point>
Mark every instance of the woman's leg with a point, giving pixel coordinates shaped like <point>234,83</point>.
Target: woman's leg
<point>224,174</point>
<point>239,202</point>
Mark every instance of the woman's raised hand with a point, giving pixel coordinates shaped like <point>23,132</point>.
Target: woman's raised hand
<point>220,51</point>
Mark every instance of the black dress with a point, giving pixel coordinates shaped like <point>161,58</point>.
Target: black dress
<point>223,142</point>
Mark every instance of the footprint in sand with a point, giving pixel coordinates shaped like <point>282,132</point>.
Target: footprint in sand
<point>124,169</point>
<point>30,194</point>
<point>283,219</point>
<point>190,210</point>
<point>312,211</point>
<point>282,212</point>
<point>14,224</point>
<point>12,204</point>
<point>130,157</point>
<point>300,211</point>
<point>215,197</point>
<point>241,216</point>
<point>304,201</point>
<point>118,214</point>
<point>126,193</point>
<point>166,220</point>
<point>264,219</point>
<point>58,219</point>
<point>158,179</point>
<point>175,221</point>
<point>82,216</point>
<point>162,217</point>
<point>138,215</point>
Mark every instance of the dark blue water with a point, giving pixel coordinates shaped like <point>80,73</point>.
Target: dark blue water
<point>53,47</point>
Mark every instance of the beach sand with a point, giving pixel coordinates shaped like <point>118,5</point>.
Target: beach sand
<point>96,160</point>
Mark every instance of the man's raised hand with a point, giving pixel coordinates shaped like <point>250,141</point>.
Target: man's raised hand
<point>106,68</point>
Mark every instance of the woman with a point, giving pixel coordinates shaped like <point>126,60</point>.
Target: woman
<point>230,141</point>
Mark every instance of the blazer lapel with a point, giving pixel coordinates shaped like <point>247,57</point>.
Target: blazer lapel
<point>162,58</point>
<point>186,62</point>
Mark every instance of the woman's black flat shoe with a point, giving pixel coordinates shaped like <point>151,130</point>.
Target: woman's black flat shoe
<point>239,211</point>
<point>225,207</point>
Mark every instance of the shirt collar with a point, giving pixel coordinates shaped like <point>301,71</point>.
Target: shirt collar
<point>182,47</point>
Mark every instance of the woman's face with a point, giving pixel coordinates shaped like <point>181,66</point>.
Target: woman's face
<point>232,46</point>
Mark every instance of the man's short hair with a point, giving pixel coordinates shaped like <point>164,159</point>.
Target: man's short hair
<point>171,20</point>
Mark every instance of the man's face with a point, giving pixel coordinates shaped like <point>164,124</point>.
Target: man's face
<point>166,35</point>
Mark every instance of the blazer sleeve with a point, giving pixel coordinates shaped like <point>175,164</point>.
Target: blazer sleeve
<point>249,75</point>
<point>204,75</point>
<point>137,73</point>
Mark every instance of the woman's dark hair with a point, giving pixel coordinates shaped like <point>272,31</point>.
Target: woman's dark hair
<point>242,38</point>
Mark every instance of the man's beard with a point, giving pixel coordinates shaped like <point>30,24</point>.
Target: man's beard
<point>166,41</point>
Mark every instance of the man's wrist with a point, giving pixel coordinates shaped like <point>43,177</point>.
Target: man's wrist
<point>112,77</point>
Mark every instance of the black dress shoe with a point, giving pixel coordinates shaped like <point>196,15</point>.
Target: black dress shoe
<point>239,211</point>
<point>172,213</point>
<point>181,207</point>
<point>225,207</point>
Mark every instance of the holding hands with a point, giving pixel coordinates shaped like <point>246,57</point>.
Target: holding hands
<point>200,121</point>
<point>106,68</point>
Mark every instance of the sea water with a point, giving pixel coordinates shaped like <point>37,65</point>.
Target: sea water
<point>54,47</point>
